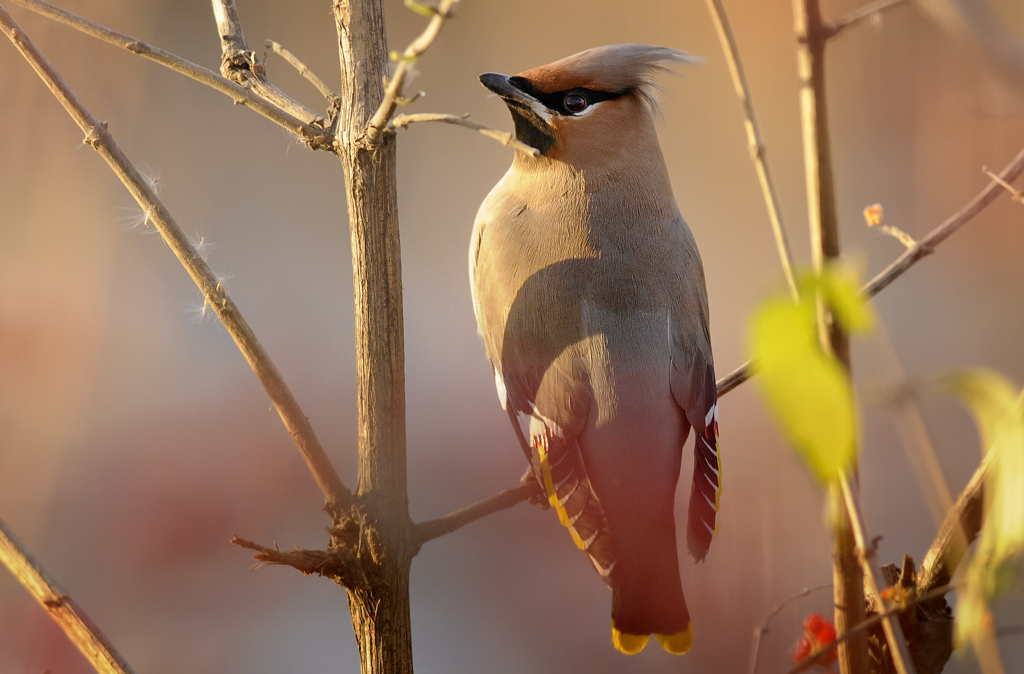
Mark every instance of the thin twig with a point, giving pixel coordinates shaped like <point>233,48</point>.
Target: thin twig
<point>755,142</point>
<point>239,63</point>
<point>927,245</point>
<point>82,631</point>
<point>956,533</point>
<point>1017,196</point>
<point>334,564</point>
<point>503,137</point>
<point>377,124</point>
<point>303,70</point>
<point>866,624</point>
<point>428,531</point>
<point>960,527</point>
<point>893,630</point>
<point>314,136</point>
<point>856,16</point>
<point>762,629</point>
<point>908,259</point>
<point>213,290</point>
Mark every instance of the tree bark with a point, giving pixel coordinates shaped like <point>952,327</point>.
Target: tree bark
<point>380,609</point>
<point>848,578</point>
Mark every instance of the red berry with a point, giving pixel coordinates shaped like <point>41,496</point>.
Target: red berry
<point>813,624</point>
<point>826,635</point>
<point>802,650</point>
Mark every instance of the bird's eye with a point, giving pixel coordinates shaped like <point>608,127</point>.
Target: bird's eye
<point>575,103</point>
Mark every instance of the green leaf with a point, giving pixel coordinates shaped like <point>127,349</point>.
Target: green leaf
<point>841,289</point>
<point>420,8</point>
<point>998,409</point>
<point>808,392</point>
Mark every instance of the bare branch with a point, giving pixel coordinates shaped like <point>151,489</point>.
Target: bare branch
<point>755,142</point>
<point>893,630</point>
<point>377,124</point>
<point>957,532</point>
<point>735,378</point>
<point>503,137</point>
<point>1017,196</point>
<point>82,631</point>
<point>908,259</point>
<point>927,245</point>
<point>428,531</point>
<point>339,567</point>
<point>239,64</point>
<point>100,139</point>
<point>314,136</point>
<point>229,26</point>
<point>874,216</point>
<point>303,70</point>
<point>762,629</point>
<point>868,11</point>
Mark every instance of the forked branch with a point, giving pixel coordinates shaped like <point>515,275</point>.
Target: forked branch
<point>925,247</point>
<point>891,625</point>
<point>313,135</point>
<point>99,138</point>
<point>375,128</point>
<point>239,64</point>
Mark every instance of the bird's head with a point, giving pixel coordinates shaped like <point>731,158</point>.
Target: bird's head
<point>587,105</point>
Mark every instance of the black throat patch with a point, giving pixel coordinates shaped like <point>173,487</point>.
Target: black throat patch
<point>531,127</point>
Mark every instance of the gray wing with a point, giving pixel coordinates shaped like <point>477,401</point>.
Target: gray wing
<point>693,387</point>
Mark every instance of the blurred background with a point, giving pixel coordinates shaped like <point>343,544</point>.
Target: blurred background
<point>134,439</point>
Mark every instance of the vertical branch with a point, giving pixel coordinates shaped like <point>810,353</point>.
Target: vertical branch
<point>890,624</point>
<point>82,632</point>
<point>755,143</point>
<point>380,610</point>
<point>848,579</point>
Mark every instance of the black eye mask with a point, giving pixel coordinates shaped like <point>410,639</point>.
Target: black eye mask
<point>555,101</point>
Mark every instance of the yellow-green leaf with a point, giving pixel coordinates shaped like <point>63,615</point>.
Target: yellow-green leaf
<point>420,8</point>
<point>998,409</point>
<point>807,391</point>
<point>841,290</point>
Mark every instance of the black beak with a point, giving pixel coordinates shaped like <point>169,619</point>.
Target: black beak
<point>530,127</point>
<point>504,86</point>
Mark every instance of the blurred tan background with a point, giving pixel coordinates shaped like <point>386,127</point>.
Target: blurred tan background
<point>134,440</point>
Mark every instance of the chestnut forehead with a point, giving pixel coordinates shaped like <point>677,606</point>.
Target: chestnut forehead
<point>549,80</point>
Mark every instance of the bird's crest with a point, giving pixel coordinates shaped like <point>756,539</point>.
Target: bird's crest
<point>615,68</point>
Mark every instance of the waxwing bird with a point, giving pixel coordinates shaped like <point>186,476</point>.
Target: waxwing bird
<point>589,294</point>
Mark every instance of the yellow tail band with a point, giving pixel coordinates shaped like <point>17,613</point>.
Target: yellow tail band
<point>678,643</point>
<point>631,644</point>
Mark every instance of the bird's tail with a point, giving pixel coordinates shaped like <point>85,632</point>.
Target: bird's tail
<point>706,489</point>
<point>647,597</point>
